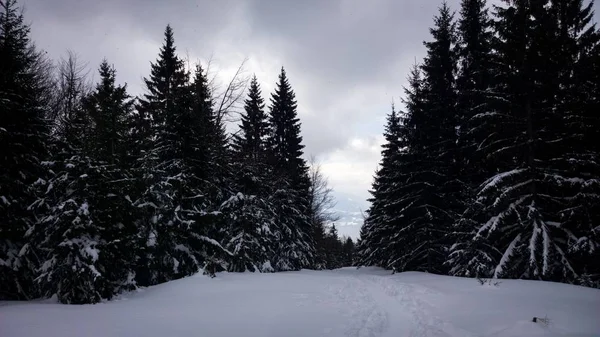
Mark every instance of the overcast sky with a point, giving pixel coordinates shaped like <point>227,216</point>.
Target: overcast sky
<point>346,59</point>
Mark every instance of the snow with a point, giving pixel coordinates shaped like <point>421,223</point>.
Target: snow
<point>506,256</point>
<point>499,178</point>
<point>368,302</point>
<point>4,200</point>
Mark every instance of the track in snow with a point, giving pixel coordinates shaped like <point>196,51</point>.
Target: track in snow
<point>368,302</point>
<point>378,306</point>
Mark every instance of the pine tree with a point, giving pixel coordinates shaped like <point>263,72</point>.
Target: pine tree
<point>526,220</point>
<point>376,230</point>
<point>334,255</point>
<point>212,161</point>
<point>175,219</point>
<point>80,261</point>
<point>212,171</point>
<point>110,108</point>
<point>251,220</point>
<point>348,249</point>
<point>24,134</point>
<point>427,186</point>
<point>68,236</point>
<point>475,98</point>
<point>250,144</point>
<point>250,232</point>
<point>290,174</point>
<point>578,101</point>
<point>473,82</point>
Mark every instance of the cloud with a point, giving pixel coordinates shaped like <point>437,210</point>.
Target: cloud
<point>346,59</point>
<point>350,168</point>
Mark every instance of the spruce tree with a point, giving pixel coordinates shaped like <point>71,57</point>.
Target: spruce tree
<point>24,134</point>
<point>173,200</point>
<point>213,161</point>
<point>211,175</point>
<point>110,107</point>
<point>71,236</point>
<point>250,222</point>
<point>426,191</point>
<point>376,230</point>
<point>250,143</point>
<point>290,174</point>
<point>348,250</point>
<point>475,99</point>
<point>474,80</point>
<point>577,61</point>
<point>525,221</point>
<point>250,216</point>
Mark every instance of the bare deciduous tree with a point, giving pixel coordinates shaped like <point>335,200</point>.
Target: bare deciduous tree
<point>321,197</point>
<point>72,85</point>
<point>228,98</point>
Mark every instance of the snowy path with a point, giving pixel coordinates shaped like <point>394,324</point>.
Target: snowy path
<point>382,307</point>
<point>356,303</point>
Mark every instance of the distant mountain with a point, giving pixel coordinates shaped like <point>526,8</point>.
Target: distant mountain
<point>350,209</point>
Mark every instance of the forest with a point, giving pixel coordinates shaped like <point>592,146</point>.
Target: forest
<point>490,169</point>
<point>102,192</point>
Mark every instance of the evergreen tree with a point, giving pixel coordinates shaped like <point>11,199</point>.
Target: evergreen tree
<point>250,232</point>
<point>211,170</point>
<point>578,102</point>
<point>475,99</point>
<point>348,249</point>
<point>110,108</point>
<point>69,237</point>
<point>334,249</point>
<point>473,82</point>
<point>24,134</point>
<point>525,221</point>
<point>427,186</point>
<point>85,237</point>
<point>250,144</point>
<point>376,230</point>
<point>212,157</point>
<point>290,174</point>
<point>251,220</point>
<point>176,221</point>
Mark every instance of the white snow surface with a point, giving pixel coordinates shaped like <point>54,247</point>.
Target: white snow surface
<point>368,302</point>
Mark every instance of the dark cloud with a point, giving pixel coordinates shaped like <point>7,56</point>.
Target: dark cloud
<point>346,59</point>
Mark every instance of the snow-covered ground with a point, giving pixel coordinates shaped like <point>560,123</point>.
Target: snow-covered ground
<point>346,302</point>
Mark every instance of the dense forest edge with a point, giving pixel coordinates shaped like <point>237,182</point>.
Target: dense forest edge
<point>102,192</point>
<point>490,169</point>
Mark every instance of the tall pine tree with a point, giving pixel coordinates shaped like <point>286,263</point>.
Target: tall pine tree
<point>375,237</point>
<point>532,210</point>
<point>110,108</point>
<point>290,174</point>
<point>176,221</point>
<point>24,134</point>
<point>251,218</point>
<point>427,182</point>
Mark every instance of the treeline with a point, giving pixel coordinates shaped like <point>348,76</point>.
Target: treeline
<point>492,169</point>
<point>102,192</point>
